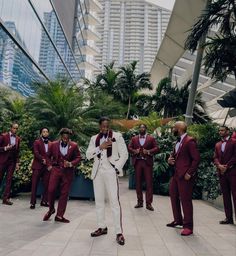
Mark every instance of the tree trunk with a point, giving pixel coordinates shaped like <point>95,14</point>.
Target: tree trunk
<point>127,116</point>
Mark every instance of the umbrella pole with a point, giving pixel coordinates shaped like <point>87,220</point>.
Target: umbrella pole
<point>226,117</point>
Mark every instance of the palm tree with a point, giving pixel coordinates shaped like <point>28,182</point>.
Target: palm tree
<point>220,59</point>
<point>129,83</point>
<point>171,101</point>
<point>58,104</point>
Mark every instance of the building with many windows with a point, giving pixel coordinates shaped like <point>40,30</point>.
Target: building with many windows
<point>131,30</point>
<point>39,41</point>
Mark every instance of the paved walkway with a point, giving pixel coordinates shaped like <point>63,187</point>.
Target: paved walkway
<point>23,233</point>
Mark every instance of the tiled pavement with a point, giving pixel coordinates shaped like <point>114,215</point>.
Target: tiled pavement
<point>23,233</point>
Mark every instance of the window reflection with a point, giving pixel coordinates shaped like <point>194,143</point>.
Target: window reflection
<point>16,70</point>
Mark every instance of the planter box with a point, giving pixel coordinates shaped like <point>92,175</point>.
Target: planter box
<point>218,202</point>
<point>80,188</point>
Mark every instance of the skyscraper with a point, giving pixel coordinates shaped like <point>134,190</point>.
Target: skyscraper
<point>131,30</point>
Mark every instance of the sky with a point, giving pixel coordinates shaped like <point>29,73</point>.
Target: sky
<point>168,4</point>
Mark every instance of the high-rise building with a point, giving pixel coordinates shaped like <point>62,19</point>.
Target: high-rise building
<point>39,41</point>
<point>131,30</point>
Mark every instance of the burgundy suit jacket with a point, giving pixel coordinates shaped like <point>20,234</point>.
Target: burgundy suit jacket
<point>12,154</point>
<point>150,144</point>
<point>187,157</point>
<point>228,157</point>
<point>40,154</point>
<point>57,159</point>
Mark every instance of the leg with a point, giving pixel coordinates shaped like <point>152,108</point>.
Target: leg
<point>99,193</point>
<point>67,178</point>
<point>35,180</point>
<point>175,202</point>
<point>10,171</point>
<point>148,174</point>
<point>186,190</point>
<point>112,186</point>
<point>138,180</point>
<point>52,186</point>
<point>45,179</point>
<point>226,191</point>
<point>233,190</point>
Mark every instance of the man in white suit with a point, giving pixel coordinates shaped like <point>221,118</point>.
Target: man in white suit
<point>109,152</point>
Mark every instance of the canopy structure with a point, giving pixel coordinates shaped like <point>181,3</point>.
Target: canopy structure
<point>171,56</point>
<point>183,16</point>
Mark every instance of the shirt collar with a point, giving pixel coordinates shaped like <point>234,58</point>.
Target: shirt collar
<point>182,137</point>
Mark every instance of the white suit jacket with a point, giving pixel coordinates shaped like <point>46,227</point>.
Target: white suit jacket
<point>119,153</point>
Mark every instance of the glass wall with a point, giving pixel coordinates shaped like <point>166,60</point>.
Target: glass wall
<point>46,44</point>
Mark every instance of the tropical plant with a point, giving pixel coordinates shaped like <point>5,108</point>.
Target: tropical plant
<point>129,83</point>
<point>171,101</point>
<point>58,104</point>
<point>219,59</point>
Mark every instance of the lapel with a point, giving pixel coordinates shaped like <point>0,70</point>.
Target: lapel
<point>146,140</point>
<point>8,138</point>
<point>138,142</point>
<point>226,146</point>
<point>181,145</point>
<point>42,145</point>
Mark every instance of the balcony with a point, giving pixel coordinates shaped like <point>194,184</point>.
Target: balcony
<point>89,49</point>
<point>93,5</point>
<point>88,63</point>
<point>89,33</point>
<point>90,18</point>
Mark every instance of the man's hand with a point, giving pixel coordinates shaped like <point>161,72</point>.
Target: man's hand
<point>17,166</point>
<point>105,145</point>
<point>8,147</point>
<point>222,168</point>
<point>187,176</point>
<point>171,160</point>
<point>67,164</point>
<point>137,151</point>
<point>146,152</point>
<point>44,161</point>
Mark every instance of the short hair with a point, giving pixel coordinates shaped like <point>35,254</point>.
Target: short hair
<point>15,122</point>
<point>103,118</point>
<point>224,126</point>
<point>143,125</point>
<point>41,129</point>
<point>65,131</point>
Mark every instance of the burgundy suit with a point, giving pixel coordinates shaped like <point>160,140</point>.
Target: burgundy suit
<point>143,165</point>
<point>61,175</point>
<point>186,161</point>
<point>8,160</point>
<point>228,179</point>
<point>40,170</point>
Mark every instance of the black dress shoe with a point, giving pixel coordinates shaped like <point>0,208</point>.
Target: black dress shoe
<point>120,239</point>
<point>149,207</point>
<point>32,206</point>
<point>99,232</point>
<point>226,221</point>
<point>138,205</point>
<point>61,219</point>
<point>173,224</point>
<point>7,202</point>
<point>45,204</point>
<point>48,215</point>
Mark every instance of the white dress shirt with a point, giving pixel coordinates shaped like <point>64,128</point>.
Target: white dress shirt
<point>224,144</point>
<point>142,140</point>
<point>12,139</point>
<point>179,143</point>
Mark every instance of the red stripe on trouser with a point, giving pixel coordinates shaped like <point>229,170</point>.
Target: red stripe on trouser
<point>118,197</point>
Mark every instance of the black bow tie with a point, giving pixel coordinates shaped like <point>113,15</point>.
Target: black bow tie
<point>63,144</point>
<point>103,135</point>
<point>13,135</point>
<point>142,137</point>
<point>45,141</point>
<point>178,139</point>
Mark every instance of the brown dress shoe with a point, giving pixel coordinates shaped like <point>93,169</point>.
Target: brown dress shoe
<point>120,239</point>
<point>149,207</point>
<point>226,221</point>
<point>99,232</point>
<point>138,205</point>
<point>7,202</point>
<point>32,206</point>
<point>45,204</point>
<point>61,219</point>
<point>173,224</point>
<point>48,215</point>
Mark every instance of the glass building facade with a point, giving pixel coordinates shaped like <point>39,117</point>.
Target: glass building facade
<point>34,46</point>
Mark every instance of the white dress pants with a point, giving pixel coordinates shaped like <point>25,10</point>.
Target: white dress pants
<point>107,179</point>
